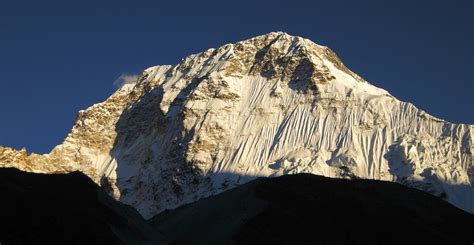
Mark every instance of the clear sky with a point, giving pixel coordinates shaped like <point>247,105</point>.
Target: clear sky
<point>60,56</point>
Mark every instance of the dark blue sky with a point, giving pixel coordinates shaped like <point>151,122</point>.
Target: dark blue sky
<point>59,56</point>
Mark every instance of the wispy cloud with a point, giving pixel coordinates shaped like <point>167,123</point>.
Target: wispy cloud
<point>124,79</point>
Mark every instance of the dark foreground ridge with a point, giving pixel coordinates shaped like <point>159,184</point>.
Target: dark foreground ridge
<point>310,209</point>
<point>295,209</point>
<point>64,209</point>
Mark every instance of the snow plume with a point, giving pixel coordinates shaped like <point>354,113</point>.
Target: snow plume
<point>124,79</point>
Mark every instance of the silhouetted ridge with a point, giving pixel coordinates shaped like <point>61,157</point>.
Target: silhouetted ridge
<point>64,209</point>
<point>310,209</point>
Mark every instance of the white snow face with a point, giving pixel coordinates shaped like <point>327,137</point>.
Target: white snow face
<point>271,105</point>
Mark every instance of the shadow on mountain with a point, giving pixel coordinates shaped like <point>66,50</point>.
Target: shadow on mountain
<point>64,209</point>
<point>461,196</point>
<point>158,167</point>
<point>310,209</point>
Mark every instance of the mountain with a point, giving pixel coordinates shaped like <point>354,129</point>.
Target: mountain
<point>310,209</point>
<point>291,209</point>
<point>268,106</point>
<point>65,209</point>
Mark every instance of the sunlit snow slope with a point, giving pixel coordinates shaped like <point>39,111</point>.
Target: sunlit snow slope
<point>268,106</point>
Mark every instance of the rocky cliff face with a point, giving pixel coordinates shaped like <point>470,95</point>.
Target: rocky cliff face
<point>268,106</point>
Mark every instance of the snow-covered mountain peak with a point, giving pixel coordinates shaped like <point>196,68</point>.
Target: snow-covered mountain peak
<point>294,62</point>
<point>267,106</point>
